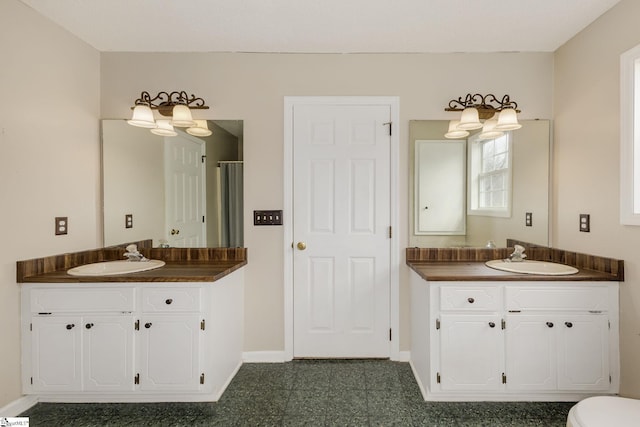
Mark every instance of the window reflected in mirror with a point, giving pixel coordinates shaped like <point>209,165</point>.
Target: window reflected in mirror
<point>490,176</point>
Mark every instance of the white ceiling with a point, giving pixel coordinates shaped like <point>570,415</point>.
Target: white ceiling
<point>335,26</point>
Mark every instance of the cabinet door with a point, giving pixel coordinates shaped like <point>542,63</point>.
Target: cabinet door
<point>56,353</point>
<point>440,209</point>
<point>170,352</point>
<point>583,352</point>
<point>531,352</point>
<point>471,352</point>
<point>108,353</point>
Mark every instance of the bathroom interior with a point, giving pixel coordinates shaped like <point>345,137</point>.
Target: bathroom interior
<point>570,93</point>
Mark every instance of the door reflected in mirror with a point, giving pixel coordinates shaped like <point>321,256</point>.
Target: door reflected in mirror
<point>496,193</point>
<point>181,191</point>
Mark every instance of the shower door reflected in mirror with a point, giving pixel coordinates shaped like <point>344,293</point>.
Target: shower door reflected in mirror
<point>181,191</point>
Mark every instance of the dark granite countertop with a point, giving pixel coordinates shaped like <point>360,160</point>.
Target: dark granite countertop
<point>182,265</point>
<point>172,271</point>
<point>478,271</point>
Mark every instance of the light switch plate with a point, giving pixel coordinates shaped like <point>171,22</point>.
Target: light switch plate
<point>62,225</point>
<point>128,221</point>
<point>267,217</point>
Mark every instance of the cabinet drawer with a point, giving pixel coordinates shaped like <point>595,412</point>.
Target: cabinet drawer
<point>171,299</point>
<point>82,300</point>
<point>472,298</point>
<point>558,298</point>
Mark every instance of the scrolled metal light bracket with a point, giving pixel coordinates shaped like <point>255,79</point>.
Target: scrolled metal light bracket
<point>164,101</point>
<point>487,105</point>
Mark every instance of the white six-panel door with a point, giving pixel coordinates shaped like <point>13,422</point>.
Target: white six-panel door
<point>185,192</point>
<point>341,219</point>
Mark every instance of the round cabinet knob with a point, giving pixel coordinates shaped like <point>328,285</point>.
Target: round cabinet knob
<point>492,325</point>
<point>168,301</point>
<point>70,326</point>
<point>147,325</point>
<point>471,300</point>
<point>302,246</point>
<point>550,324</point>
<point>568,324</point>
<point>89,325</point>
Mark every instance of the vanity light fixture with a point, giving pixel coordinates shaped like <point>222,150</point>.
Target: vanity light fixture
<point>454,132</point>
<point>489,130</point>
<point>501,112</point>
<point>200,129</point>
<point>175,105</point>
<point>163,128</point>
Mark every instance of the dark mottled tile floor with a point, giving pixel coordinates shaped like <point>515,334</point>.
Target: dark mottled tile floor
<point>310,393</point>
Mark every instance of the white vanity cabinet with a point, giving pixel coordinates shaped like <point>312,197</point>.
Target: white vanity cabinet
<point>514,340</point>
<point>470,338</point>
<point>107,345</point>
<point>79,340</point>
<point>560,336</point>
<point>471,352</point>
<point>558,352</point>
<point>123,341</point>
<point>171,326</point>
<point>57,350</point>
<point>71,353</point>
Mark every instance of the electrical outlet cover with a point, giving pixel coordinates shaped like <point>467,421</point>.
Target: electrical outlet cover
<point>62,225</point>
<point>585,223</point>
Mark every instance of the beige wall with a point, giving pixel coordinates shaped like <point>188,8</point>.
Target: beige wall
<point>49,157</point>
<point>252,87</point>
<point>586,166</point>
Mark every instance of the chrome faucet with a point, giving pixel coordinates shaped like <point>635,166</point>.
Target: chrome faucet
<point>132,254</point>
<point>518,254</point>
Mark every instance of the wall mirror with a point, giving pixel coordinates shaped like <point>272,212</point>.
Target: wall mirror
<point>181,191</point>
<point>453,205</point>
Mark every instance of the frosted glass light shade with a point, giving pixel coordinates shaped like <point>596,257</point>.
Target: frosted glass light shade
<point>508,120</point>
<point>142,117</point>
<point>469,119</point>
<point>164,129</point>
<point>182,117</point>
<point>454,131</point>
<point>489,131</point>
<point>200,129</point>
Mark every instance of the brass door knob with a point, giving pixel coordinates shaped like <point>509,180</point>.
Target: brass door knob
<point>302,246</point>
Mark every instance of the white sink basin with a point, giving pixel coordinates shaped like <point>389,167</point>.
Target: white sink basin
<point>532,267</point>
<point>110,268</point>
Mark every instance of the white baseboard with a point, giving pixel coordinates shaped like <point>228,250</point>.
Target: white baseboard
<point>403,356</point>
<point>264,357</point>
<point>423,391</point>
<point>226,384</point>
<point>18,406</point>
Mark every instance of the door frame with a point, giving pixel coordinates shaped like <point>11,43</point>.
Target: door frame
<point>394,158</point>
